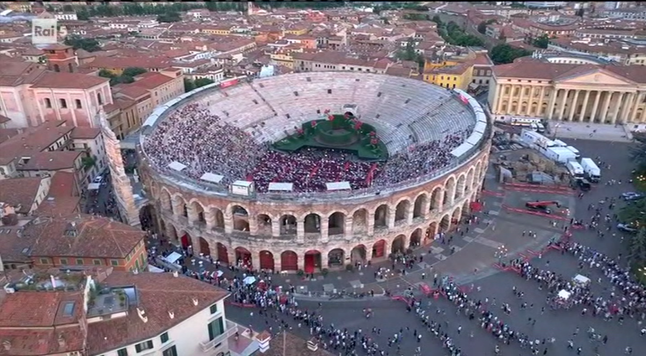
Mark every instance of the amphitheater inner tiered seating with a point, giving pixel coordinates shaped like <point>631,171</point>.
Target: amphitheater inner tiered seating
<point>228,132</point>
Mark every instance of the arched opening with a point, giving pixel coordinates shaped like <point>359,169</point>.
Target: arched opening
<point>437,199</point>
<point>449,193</point>
<point>243,257</point>
<point>416,238</point>
<point>205,250</point>
<point>240,218</point>
<point>288,226</point>
<point>264,224</point>
<point>312,261</point>
<point>335,258</point>
<point>162,227</point>
<point>288,261</point>
<point>401,211</point>
<point>360,221</point>
<point>381,216</point>
<point>466,208</point>
<point>456,217</point>
<point>223,254</point>
<point>57,68</point>
<point>312,223</point>
<point>445,223</point>
<point>419,205</point>
<point>218,218</point>
<point>431,231</point>
<point>336,224</point>
<point>185,239</point>
<point>147,217</point>
<point>478,173</point>
<point>164,199</point>
<point>399,244</point>
<point>358,254</point>
<point>198,213</point>
<point>171,234</point>
<point>379,249</point>
<point>461,186</point>
<point>470,177</point>
<point>266,260</point>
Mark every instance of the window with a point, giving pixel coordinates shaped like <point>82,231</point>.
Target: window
<point>99,98</point>
<point>48,103</point>
<point>329,91</point>
<point>164,337</point>
<point>79,261</point>
<point>64,261</point>
<point>122,352</point>
<point>146,345</point>
<point>216,328</point>
<point>214,308</point>
<point>56,68</point>
<point>171,351</point>
<point>63,103</point>
<point>77,102</point>
<point>44,261</point>
<point>96,262</point>
<point>114,262</point>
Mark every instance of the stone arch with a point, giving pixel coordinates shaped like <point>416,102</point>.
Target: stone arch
<point>162,227</point>
<point>165,200</point>
<point>399,244</point>
<point>449,191</point>
<point>483,169</point>
<point>431,231</point>
<point>148,217</point>
<point>180,207</point>
<point>381,216</point>
<point>379,249</point>
<point>197,212</point>
<point>240,217</point>
<point>312,261</point>
<point>456,216</point>
<point>470,178</point>
<point>401,210</point>
<point>466,207</point>
<point>288,261</point>
<point>185,239</point>
<point>416,238</point>
<point>243,257</point>
<point>312,223</point>
<point>336,223</point>
<point>171,233</point>
<point>222,253</point>
<point>264,223</point>
<point>437,199</point>
<point>360,221</point>
<point>217,217</point>
<point>288,225</point>
<point>266,259</point>
<point>358,254</point>
<point>478,172</point>
<point>336,257</point>
<point>461,186</point>
<point>445,223</point>
<point>418,208</point>
<point>205,249</point>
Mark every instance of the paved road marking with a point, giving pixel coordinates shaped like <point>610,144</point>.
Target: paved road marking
<point>456,248</point>
<point>356,284</point>
<point>423,265</point>
<point>478,230</point>
<point>488,242</point>
<point>329,287</point>
<point>468,239</point>
<point>494,212</point>
<point>436,250</point>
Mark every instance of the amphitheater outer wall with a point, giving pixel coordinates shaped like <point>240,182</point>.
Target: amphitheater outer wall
<point>288,236</point>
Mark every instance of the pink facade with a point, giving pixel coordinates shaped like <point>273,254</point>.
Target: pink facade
<point>77,106</point>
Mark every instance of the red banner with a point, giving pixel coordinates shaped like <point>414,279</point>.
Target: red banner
<point>229,83</point>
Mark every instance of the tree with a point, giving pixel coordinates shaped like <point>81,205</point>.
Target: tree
<point>542,42</point>
<point>169,17</point>
<point>106,74</point>
<point>416,17</point>
<point>638,154</point>
<point>637,250</point>
<point>437,20</point>
<point>82,15</point>
<point>580,12</point>
<point>200,82</point>
<point>88,44</point>
<point>634,213</point>
<point>133,71</point>
<point>408,53</point>
<point>504,53</point>
<point>188,85</point>
<point>482,27</point>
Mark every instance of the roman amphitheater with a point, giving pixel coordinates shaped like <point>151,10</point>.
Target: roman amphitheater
<point>216,183</point>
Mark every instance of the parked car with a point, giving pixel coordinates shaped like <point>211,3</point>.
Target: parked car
<point>632,196</point>
<point>626,228</point>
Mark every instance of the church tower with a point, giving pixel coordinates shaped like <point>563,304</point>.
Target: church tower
<point>60,58</point>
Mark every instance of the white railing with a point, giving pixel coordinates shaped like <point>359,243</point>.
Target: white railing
<point>230,330</point>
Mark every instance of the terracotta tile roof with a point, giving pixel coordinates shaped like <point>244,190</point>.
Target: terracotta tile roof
<point>4,119</point>
<point>63,199</point>
<point>32,141</point>
<point>20,192</point>
<point>288,344</point>
<point>158,293</point>
<point>69,81</point>
<point>13,247</point>
<point>151,80</point>
<point>6,134</point>
<point>86,133</point>
<point>91,237</point>
<point>36,323</point>
<point>17,73</point>
<point>51,161</point>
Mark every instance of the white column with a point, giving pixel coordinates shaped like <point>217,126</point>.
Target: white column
<point>519,109</point>
<point>550,106</point>
<point>562,107</point>
<point>391,217</point>
<point>618,105</point>
<point>573,105</point>
<point>540,101</point>
<point>606,106</point>
<point>585,106</point>
<point>528,111</point>
<point>593,113</point>
<point>636,102</point>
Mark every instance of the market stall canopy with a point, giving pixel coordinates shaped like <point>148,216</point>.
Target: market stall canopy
<point>173,257</point>
<point>563,294</point>
<point>581,279</point>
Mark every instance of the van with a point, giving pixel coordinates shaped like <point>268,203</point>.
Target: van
<point>575,151</point>
<point>575,169</point>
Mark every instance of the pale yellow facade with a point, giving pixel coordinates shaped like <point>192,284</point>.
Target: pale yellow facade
<point>601,97</point>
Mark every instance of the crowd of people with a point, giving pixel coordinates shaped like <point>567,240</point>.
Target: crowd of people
<point>205,143</point>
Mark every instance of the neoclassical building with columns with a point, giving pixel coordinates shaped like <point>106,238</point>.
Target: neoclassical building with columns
<point>314,230</point>
<point>569,92</point>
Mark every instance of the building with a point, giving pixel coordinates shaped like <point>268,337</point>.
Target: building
<point>569,92</point>
<point>458,76</point>
<point>66,16</point>
<point>24,195</point>
<point>111,313</point>
<point>53,147</point>
<point>337,61</point>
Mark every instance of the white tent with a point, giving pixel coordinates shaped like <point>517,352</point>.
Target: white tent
<point>249,280</point>
<point>563,294</point>
<point>581,279</point>
<point>173,257</point>
<point>94,186</point>
<point>154,269</point>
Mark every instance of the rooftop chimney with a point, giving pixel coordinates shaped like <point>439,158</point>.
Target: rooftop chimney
<point>7,345</point>
<point>171,315</point>
<point>61,342</point>
<point>195,301</point>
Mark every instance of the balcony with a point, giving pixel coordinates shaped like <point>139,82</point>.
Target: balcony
<point>230,330</point>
